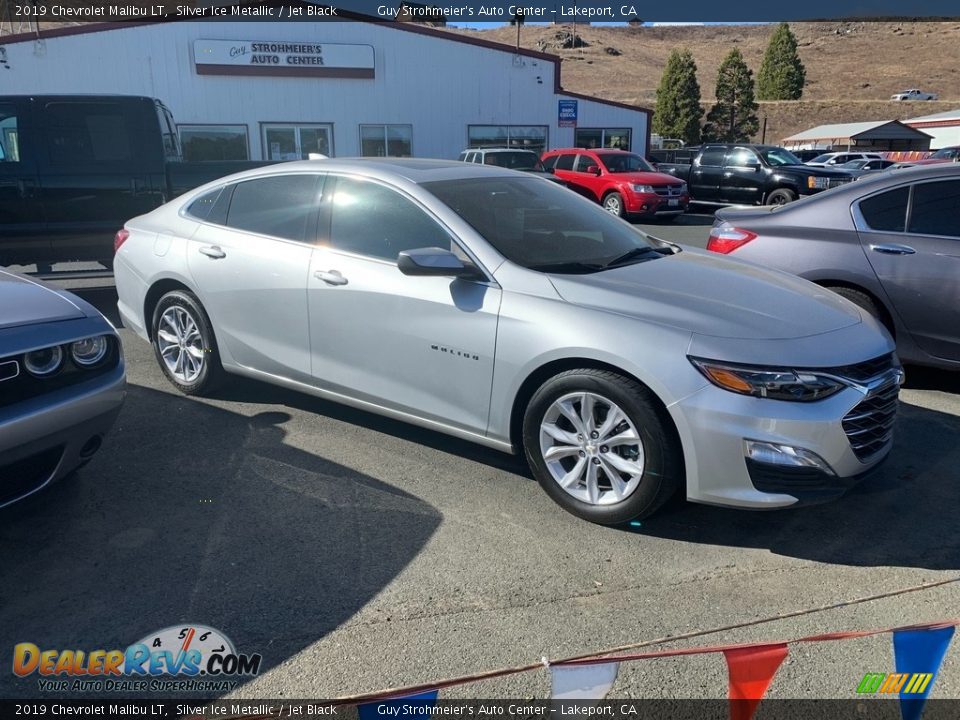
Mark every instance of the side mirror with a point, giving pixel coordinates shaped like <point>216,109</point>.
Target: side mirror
<point>551,171</point>
<point>593,169</point>
<point>436,262</point>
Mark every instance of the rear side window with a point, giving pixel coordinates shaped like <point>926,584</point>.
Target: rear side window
<point>887,211</point>
<point>712,157</point>
<point>87,132</point>
<point>550,162</point>
<point>565,162</point>
<point>936,209</point>
<point>281,206</point>
<point>201,207</point>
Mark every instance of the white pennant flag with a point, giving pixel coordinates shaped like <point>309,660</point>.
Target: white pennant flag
<point>583,682</point>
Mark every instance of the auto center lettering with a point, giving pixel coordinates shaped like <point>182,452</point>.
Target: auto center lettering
<point>291,54</point>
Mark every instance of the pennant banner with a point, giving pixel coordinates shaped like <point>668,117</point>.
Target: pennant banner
<point>585,682</point>
<point>751,671</point>
<point>918,655</point>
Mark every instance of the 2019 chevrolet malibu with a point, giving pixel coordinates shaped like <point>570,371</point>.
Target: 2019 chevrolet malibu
<point>492,306</point>
<point>889,242</point>
<point>62,384</point>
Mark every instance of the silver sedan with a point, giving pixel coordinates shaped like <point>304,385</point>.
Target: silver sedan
<point>62,384</point>
<point>497,307</point>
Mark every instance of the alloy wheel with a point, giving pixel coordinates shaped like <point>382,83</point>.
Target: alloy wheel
<point>181,344</point>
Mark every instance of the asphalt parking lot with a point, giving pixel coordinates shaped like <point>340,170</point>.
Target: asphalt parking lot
<point>356,553</point>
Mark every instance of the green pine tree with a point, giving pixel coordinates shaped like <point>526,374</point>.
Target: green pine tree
<point>781,75</point>
<point>678,110</point>
<point>733,118</point>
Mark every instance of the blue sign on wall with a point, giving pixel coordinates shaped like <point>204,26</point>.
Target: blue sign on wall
<point>567,113</point>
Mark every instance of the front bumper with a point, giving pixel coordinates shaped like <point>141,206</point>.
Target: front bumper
<point>652,204</point>
<point>714,425</point>
<point>47,437</point>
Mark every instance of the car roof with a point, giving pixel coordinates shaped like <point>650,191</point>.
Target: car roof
<point>415,170</point>
<point>496,150</point>
<point>594,150</point>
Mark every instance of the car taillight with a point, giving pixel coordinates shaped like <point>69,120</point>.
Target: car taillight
<point>120,238</point>
<point>725,240</point>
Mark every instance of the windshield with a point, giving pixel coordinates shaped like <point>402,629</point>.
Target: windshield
<point>519,160</point>
<point>947,153</point>
<point>541,226</point>
<point>777,157</point>
<point>624,163</point>
<point>855,164</point>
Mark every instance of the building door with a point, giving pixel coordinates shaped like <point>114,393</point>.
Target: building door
<point>22,236</point>
<point>296,141</point>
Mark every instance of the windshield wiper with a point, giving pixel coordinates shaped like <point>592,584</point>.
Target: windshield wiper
<point>568,267</point>
<point>635,254</point>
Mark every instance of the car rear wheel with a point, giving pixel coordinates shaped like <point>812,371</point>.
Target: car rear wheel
<point>782,196</point>
<point>863,301</point>
<point>601,447</point>
<point>184,344</point>
<point>613,203</point>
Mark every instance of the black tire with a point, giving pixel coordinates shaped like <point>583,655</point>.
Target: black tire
<point>662,471</point>
<point>613,204</point>
<point>211,373</point>
<point>781,196</point>
<point>863,301</point>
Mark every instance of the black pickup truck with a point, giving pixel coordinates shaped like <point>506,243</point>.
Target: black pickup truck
<point>746,174</point>
<point>74,168</point>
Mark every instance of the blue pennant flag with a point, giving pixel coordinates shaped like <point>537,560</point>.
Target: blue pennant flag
<point>919,654</point>
<point>421,701</point>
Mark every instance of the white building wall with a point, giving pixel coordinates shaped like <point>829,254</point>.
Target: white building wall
<point>438,86</point>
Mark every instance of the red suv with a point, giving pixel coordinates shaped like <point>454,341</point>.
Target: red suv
<point>623,182</point>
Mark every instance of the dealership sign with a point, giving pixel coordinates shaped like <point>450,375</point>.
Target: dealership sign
<point>567,113</point>
<point>281,57</point>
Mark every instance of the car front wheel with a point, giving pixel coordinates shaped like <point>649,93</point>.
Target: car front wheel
<point>613,203</point>
<point>601,447</point>
<point>184,344</point>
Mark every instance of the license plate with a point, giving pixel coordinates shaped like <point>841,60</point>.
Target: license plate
<point>673,203</point>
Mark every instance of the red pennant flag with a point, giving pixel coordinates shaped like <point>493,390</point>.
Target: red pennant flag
<point>751,671</point>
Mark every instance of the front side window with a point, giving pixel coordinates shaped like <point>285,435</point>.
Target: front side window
<point>624,163</point>
<point>742,157</point>
<point>9,137</point>
<point>526,137</point>
<point>373,220</point>
<point>386,140</point>
<point>202,143</point>
<point>280,206</point>
<point>535,224</point>
<point>887,211</point>
<point>936,209</point>
<point>296,142</point>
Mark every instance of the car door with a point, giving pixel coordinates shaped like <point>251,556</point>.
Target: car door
<point>588,169</point>
<point>22,229</point>
<point>743,177</point>
<point>911,235</point>
<point>706,173</point>
<point>418,345</point>
<point>251,271</point>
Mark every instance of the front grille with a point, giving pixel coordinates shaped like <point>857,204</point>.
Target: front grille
<point>837,182</point>
<point>869,426</point>
<point>867,370</point>
<point>668,190</point>
<point>24,476</point>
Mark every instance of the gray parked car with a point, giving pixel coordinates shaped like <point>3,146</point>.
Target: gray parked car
<point>889,242</point>
<point>492,306</point>
<point>61,384</point>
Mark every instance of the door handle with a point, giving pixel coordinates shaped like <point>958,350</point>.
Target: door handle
<point>893,249</point>
<point>213,251</point>
<point>333,277</point>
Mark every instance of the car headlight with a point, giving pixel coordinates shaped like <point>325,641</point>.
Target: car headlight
<point>818,183</point>
<point>43,362</point>
<point>89,351</point>
<point>766,382</point>
<point>642,188</point>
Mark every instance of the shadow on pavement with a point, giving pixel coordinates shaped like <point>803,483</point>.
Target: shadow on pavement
<point>906,515</point>
<point>209,518</point>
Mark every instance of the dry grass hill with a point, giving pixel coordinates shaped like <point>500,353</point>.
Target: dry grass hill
<point>852,67</point>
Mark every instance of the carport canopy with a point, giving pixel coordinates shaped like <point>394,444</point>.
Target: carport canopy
<point>877,135</point>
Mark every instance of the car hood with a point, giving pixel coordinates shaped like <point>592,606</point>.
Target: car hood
<point>647,178</point>
<point>709,295</point>
<point>815,170</point>
<point>24,301</point>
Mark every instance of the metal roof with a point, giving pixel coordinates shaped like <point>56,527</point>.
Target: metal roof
<point>948,115</point>
<point>878,129</point>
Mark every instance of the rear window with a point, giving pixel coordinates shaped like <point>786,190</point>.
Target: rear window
<point>887,211</point>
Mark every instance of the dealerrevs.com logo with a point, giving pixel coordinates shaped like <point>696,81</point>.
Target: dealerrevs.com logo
<point>188,658</point>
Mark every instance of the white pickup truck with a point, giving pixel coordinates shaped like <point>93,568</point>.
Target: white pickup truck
<point>914,94</point>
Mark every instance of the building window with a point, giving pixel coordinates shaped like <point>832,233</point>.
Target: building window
<point>528,137</point>
<point>386,140</point>
<point>9,144</point>
<point>213,142</point>
<point>618,138</point>
<point>296,142</point>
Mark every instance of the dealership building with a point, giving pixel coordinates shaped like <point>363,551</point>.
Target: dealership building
<point>269,90</point>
